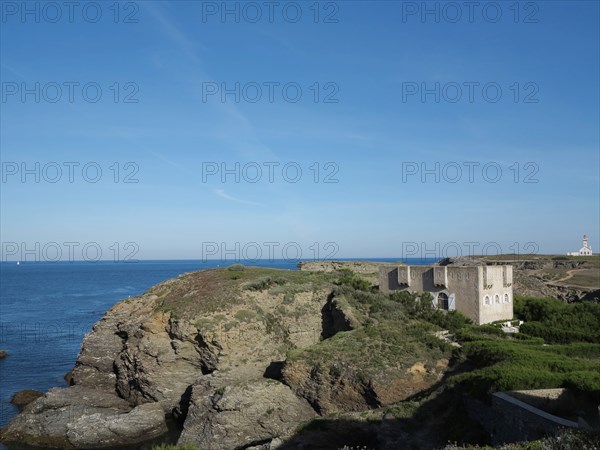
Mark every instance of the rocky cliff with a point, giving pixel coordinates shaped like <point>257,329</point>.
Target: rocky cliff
<point>212,349</point>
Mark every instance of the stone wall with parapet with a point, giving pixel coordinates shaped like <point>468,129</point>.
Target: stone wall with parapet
<point>511,420</point>
<point>356,266</point>
<point>369,270</point>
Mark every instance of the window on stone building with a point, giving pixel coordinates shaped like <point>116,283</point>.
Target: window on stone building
<point>497,298</point>
<point>442,301</point>
<point>486,300</point>
<point>506,298</point>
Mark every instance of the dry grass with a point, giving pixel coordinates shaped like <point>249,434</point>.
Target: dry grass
<point>215,290</point>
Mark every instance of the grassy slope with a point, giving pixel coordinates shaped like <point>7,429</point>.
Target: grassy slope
<point>396,330</point>
<point>217,290</point>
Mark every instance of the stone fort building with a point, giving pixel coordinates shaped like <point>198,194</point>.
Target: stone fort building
<point>482,293</point>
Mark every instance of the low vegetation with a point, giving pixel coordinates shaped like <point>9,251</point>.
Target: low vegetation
<point>369,351</point>
<point>218,290</point>
<point>558,322</point>
<point>558,344</point>
<point>558,347</point>
<point>391,334</point>
<point>564,440</point>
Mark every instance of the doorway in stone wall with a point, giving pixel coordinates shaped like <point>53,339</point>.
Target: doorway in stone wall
<point>442,301</point>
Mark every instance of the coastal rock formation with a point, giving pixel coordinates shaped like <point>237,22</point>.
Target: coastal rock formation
<point>3,354</point>
<point>242,357</point>
<point>65,418</point>
<point>141,423</point>
<point>227,413</point>
<point>147,352</point>
<point>24,397</point>
<point>338,391</point>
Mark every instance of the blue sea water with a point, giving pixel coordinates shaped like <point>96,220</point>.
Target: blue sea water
<point>46,309</point>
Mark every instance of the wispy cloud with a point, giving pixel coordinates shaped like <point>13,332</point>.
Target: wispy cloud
<point>245,139</point>
<point>12,69</point>
<point>221,193</point>
<point>169,29</point>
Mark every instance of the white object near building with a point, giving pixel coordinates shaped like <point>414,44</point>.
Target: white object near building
<point>586,250</point>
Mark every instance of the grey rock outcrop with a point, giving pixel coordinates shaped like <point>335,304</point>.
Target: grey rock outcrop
<point>226,413</point>
<point>143,422</point>
<point>61,417</point>
<point>142,357</point>
<point>331,393</point>
<point>24,397</point>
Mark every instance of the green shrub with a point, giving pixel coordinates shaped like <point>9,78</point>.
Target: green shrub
<point>537,309</point>
<point>349,278</point>
<point>525,338</point>
<point>260,284</point>
<point>559,322</point>
<point>477,333</point>
<point>204,323</point>
<point>236,268</point>
<point>451,320</point>
<point>245,315</point>
<point>369,351</point>
<point>504,364</point>
<point>280,281</point>
<point>584,381</point>
<point>554,335</point>
<point>420,307</point>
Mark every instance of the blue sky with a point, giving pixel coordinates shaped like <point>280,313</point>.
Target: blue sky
<point>545,123</point>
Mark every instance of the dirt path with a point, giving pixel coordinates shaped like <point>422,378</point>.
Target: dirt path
<point>569,275</point>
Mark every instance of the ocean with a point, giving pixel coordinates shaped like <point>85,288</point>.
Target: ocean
<point>47,307</point>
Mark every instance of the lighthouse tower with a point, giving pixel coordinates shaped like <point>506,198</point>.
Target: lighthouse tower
<point>586,250</point>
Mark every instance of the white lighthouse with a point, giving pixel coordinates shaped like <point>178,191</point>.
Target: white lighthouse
<point>586,250</point>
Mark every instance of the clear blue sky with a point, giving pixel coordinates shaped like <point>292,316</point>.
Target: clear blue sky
<point>373,55</point>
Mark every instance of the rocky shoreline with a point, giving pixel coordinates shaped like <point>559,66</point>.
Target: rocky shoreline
<point>211,350</point>
<point>170,352</point>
